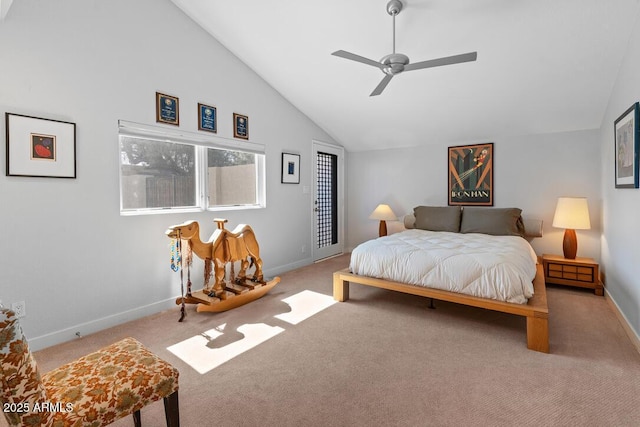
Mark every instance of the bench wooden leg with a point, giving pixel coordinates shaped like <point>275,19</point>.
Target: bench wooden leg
<point>538,333</point>
<point>340,288</point>
<point>171,410</point>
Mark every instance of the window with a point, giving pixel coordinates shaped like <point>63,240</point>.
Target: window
<point>231,177</point>
<point>156,174</point>
<point>164,170</point>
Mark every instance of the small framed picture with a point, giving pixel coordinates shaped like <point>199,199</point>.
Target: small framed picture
<point>207,118</point>
<point>290,168</point>
<point>40,147</point>
<point>167,109</point>
<point>627,147</point>
<point>240,126</point>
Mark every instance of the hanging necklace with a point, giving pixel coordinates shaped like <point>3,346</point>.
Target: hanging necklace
<point>176,256</point>
<point>176,263</point>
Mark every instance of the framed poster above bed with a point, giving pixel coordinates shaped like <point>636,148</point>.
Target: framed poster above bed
<point>471,175</point>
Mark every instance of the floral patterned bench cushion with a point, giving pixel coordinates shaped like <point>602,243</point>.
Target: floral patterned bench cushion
<point>103,386</point>
<point>21,385</point>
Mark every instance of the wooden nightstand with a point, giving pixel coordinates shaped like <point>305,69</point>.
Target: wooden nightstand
<point>582,272</point>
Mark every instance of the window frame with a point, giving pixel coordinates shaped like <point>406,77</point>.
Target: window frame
<point>201,143</point>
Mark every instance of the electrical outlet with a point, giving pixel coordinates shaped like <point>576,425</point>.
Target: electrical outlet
<point>19,308</point>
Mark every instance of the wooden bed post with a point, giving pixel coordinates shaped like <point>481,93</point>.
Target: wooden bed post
<point>340,287</point>
<point>538,320</point>
<point>538,333</point>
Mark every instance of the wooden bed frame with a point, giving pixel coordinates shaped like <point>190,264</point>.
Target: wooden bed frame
<point>536,310</point>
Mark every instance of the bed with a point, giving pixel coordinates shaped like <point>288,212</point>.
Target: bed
<point>479,257</point>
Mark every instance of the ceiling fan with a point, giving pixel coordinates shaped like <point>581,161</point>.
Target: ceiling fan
<point>396,63</point>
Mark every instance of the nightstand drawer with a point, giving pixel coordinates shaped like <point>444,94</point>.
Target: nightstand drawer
<point>554,273</point>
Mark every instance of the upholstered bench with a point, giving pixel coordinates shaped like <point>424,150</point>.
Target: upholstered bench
<point>95,390</point>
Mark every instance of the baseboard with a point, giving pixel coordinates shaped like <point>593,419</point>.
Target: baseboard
<point>270,272</point>
<point>633,336</point>
<point>68,334</point>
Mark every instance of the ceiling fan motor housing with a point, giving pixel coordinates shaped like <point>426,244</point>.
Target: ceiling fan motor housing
<point>395,63</point>
<point>394,7</point>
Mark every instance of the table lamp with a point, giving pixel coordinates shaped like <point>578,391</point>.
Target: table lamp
<point>572,213</point>
<point>383,213</point>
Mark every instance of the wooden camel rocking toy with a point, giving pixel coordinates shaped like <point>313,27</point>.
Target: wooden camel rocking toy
<point>223,249</point>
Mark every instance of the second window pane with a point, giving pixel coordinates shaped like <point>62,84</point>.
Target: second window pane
<point>232,178</point>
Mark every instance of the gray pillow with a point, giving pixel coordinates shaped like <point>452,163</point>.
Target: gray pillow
<point>494,221</point>
<point>437,218</point>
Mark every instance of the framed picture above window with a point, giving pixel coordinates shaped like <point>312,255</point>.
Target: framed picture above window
<point>167,109</point>
<point>290,168</point>
<point>207,118</point>
<point>240,126</point>
<point>40,147</point>
<point>627,147</point>
<point>471,175</point>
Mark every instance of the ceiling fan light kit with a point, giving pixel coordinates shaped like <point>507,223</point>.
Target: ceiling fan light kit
<point>396,63</point>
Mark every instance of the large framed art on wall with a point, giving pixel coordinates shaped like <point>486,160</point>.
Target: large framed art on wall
<point>471,175</point>
<point>627,130</point>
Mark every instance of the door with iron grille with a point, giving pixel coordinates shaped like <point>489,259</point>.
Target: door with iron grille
<point>328,199</point>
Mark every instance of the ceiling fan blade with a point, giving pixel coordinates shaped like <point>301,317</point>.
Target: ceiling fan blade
<point>448,60</point>
<point>385,81</point>
<point>358,58</point>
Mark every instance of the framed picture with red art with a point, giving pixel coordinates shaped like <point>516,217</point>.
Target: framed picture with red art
<point>40,147</point>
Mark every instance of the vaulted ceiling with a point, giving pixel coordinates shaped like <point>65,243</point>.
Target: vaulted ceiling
<point>4,8</point>
<point>543,66</point>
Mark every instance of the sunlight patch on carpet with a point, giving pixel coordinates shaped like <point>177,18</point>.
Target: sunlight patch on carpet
<point>214,347</point>
<point>304,305</point>
<point>195,350</point>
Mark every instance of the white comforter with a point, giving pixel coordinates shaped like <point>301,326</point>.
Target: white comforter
<point>496,267</point>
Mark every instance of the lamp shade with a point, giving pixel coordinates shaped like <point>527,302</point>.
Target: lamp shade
<point>383,213</point>
<point>572,213</point>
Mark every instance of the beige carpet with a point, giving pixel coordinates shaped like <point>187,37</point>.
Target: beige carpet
<point>384,358</point>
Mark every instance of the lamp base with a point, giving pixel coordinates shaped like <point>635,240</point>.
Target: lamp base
<point>570,244</point>
<point>382,231</point>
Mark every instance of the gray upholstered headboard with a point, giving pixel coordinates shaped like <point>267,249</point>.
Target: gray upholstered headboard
<point>532,227</point>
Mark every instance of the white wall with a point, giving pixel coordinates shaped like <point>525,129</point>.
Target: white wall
<point>65,249</point>
<point>530,172</point>
<point>621,207</point>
